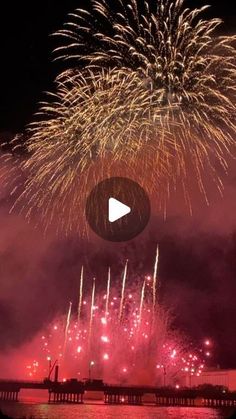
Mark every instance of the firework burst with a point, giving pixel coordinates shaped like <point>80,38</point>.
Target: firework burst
<point>186,65</point>
<point>156,103</point>
<point>96,123</point>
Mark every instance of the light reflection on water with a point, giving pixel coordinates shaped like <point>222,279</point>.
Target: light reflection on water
<point>101,411</point>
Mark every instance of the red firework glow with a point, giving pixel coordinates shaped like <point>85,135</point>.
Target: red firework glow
<point>117,337</point>
<point>121,335</point>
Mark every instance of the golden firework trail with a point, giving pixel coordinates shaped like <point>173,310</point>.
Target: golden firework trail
<point>156,102</point>
<point>101,118</point>
<point>181,59</point>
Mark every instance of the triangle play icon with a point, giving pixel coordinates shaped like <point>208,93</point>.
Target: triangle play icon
<point>117,210</point>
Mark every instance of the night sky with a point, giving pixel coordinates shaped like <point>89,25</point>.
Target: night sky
<point>27,69</point>
<point>198,259</point>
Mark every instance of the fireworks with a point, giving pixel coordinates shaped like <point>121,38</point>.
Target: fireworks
<point>92,308</point>
<point>129,351</point>
<point>108,292</point>
<point>155,279</point>
<point>157,101</point>
<point>91,340</point>
<point>95,122</point>
<point>67,327</point>
<point>134,348</point>
<point>81,292</point>
<point>179,56</point>
<point>142,303</point>
<point>123,291</point>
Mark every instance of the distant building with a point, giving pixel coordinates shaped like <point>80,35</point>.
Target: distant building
<point>226,378</point>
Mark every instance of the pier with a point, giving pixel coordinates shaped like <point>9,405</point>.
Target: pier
<point>72,392</point>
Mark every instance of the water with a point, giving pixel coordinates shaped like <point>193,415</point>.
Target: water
<point>101,411</point>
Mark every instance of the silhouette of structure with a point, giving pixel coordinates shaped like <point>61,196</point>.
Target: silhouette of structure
<point>72,391</point>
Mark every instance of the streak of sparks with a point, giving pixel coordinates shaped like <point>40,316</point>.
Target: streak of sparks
<point>123,291</point>
<point>108,292</point>
<point>80,293</point>
<point>92,311</point>
<point>142,303</point>
<point>67,327</point>
<point>155,278</point>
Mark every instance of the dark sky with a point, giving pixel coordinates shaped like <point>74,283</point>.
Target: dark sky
<point>26,52</point>
<point>197,267</point>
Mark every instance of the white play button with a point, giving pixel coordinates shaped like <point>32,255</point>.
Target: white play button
<point>117,210</point>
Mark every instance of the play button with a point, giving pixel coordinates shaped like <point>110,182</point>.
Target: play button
<point>118,209</point>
